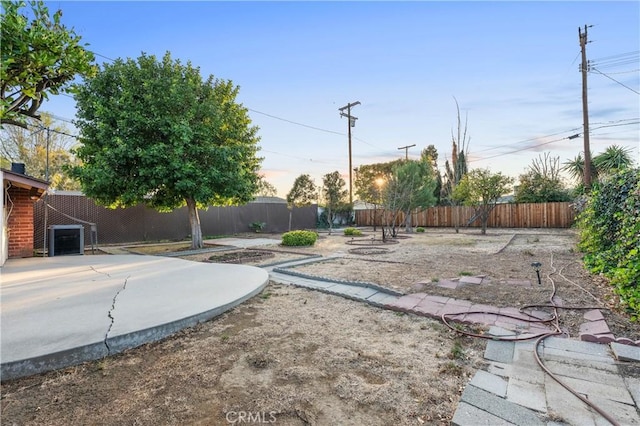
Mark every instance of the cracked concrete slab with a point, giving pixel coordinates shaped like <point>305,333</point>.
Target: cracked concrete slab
<point>110,314</point>
<point>61,311</point>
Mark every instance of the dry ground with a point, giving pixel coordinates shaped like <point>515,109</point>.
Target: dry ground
<point>301,357</point>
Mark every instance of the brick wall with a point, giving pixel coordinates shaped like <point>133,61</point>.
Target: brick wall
<point>20,223</point>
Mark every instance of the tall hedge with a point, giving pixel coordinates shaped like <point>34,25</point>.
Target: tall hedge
<point>610,235</point>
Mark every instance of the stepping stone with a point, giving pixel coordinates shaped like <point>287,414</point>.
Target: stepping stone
<point>448,284</point>
<point>488,319</point>
<point>573,347</point>
<point>470,280</point>
<point>381,299</point>
<point>428,307</point>
<point>499,407</point>
<point>595,328</point>
<point>526,394</point>
<point>459,302</point>
<point>514,312</point>
<point>593,315</point>
<point>633,385</point>
<point>468,415</point>
<point>500,332</point>
<point>499,351</point>
<point>626,352</point>
<point>450,309</point>
<point>490,382</point>
<point>438,299</point>
<point>419,286</point>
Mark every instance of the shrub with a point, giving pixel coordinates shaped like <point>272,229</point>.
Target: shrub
<point>352,232</point>
<point>419,229</point>
<point>299,238</point>
<point>257,226</point>
<point>610,235</point>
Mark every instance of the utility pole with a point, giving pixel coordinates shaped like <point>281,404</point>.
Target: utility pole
<point>406,150</point>
<point>351,123</point>
<point>584,67</point>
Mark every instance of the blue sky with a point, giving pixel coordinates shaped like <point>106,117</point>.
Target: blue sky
<point>512,66</point>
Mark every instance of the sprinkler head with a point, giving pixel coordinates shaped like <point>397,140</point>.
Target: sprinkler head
<point>536,267</point>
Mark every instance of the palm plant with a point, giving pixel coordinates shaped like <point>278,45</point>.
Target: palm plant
<point>613,158</point>
<point>575,168</point>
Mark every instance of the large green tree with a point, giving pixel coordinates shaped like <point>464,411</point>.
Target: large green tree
<point>44,149</point>
<point>430,156</point>
<point>370,182</point>
<point>303,193</point>
<point>39,57</point>
<point>542,182</point>
<point>265,188</point>
<point>154,132</point>
<point>335,196</point>
<point>410,186</point>
<point>369,178</point>
<point>481,189</point>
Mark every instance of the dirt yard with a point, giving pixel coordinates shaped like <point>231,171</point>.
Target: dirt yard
<point>292,356</point>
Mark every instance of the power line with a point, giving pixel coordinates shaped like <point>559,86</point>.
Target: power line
<point>296,123</point>
<point>57,117</point>
<point>102,56</point>
<point>301,158</point>
<point>41,127</point>
<point>617,60</point>
<point>625,72</point>
<point>619,55</point>
<point>519,150</point>
<point>613,79</point>
<point>614,124</point>
<point>529,140</point>
<point>614,64</point>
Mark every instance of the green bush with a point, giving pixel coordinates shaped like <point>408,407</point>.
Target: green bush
<point>419,229</point>
<point>352,232</point>
<point>299,238</point>
<point>257,226</point>
<point>610,235</point>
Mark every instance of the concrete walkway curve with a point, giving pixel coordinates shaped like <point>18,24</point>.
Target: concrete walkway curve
<point>62,311</point>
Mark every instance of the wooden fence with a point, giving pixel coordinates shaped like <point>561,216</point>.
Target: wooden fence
<point>532,215</point>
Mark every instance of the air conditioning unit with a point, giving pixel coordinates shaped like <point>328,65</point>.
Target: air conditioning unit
<point>66,240</point>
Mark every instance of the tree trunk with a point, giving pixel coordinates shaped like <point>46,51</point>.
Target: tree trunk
<point>290,214</point>
<point>330,219</point>
<point>375,215</point>
<point>408,226</point>
<point>194,221</point>
<point>485,219</point>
